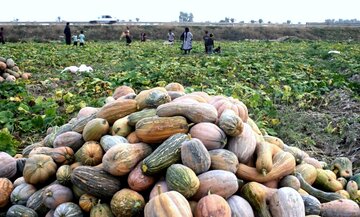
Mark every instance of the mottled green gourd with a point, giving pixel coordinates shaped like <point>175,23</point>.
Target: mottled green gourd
<point>182,179</point>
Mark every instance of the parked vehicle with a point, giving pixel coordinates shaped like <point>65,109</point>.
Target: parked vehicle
<point>105,19</point>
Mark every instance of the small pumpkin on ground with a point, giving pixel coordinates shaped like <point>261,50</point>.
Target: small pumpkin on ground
<point>127,203</point>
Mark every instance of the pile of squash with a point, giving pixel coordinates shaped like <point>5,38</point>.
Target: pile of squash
<point>9,71</point>
<point>164,152</point>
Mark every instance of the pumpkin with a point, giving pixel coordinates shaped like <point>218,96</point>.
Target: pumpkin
<point>312,205</point>
<point>352,189</point>
<point>221,103</point>
<point>284,164</point>
<point>209,134</point>
<point>190,98</point>
<point>159,187</point>
<point>182,179</point>
<point>240,207</point>
<point>164,155</point>
<point>7,165</point>
<point>307,171</point>
<point>257,195</point>
<point>68,209</point>
<point>169,203</point>
<point>137,116</point>
<point>127,203</point>
<point>174,86</point>
<point>79,124</point>
<point>220,182</point>
<point>100,210</point>
<point>121,127</point>
<point>36,203</point>
<point>222,159</point>
<point>21,193</point>
<point>39,169</point>
<point>117,109</point>
<point>152,98</point>
<point>290,181</point>
<point>6,187</point>
<point>55,195</point>
<point>86,111</point>
<point>95,129</point>
<point>132,138</point>
<point>265,152</point>
<point>71,139</point>
<point>87,202</point>
<point>108,141</point>
<point>19,181</point>
<point>286,202</point>
<point>95,181</point>
<point>90,154</point>
<point>20,210</point>
<point>322,196</point>
<point>158,129</point>
<point>212,205</point>
<point>195,155</point>
<point>194,111</point>
<point>63,175</point>
<point>342,167</point>
<point>340,208</point>
<point>243,145</point>
<point>138,181</point>
<point>175,94</point>
<point>314,162</point>
<point>122,91</point>
<point>61,155</point>
<point>231,123</point>
<point>122,158</point>
<point>299,154</point>
<point>327,182</point>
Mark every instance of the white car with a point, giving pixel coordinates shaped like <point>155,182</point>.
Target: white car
<point>105,19</point>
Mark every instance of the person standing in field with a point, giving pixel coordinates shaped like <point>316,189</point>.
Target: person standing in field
<point>171,36</point>
<point>67,33</point>
<point>2,38</point>
<point>143,37</point>
<point>210,44</point>
<point>75,39</point>
<point>127,36</point>
<point>186,38</point>
<point>205,38</point>
<point>82,38</point>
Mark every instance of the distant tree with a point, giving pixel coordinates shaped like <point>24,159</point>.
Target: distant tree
<point>232,20</point>
<point>261,21</point>
<point>137,19</point>
<point>252,21</point>
<point>58,19</point>
<point>288,21</point>
<point>269,22</point>
<point>185,17</point>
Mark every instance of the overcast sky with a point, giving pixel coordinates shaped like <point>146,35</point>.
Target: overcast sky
<point>276,11</point>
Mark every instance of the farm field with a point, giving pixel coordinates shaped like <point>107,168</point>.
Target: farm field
<point>293,90</point>
<point>292,130</point>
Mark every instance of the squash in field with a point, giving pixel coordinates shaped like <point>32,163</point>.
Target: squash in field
<point>68,209</point>
<point>21,193</point>
<point>137,116</point>
<point>95,129</point>
<point>231,123</point>
<point>152,98</point>
<point>55,195</point>
<point>159,205</point>
<point>290,181</point>
<point>100,210</point>
<point>108,141</point>
<point>340,208</point>
<point>127,203</point>
<point>71,139</point>
<point>265,152</point>
<point>90,154</point>
<point>121,127</point>
<point>20,210</point>
<point>138,181</point>
<point>174,86</point>
<point>117,109</point>
<point>61,155</point>
<point>221,103</point>
<point>220,182</point>
<point>342,167</point>
<point>182,179</point>
<point>209,134</point>
<point>158,129</point>
<point>194,111</point>
<point>122,158</point>
<point>240,207</point>
<point>312,205</point>
<point>307,171</point>
<point>244,144</point>
<point>159,187</point>
<point>286,202</point>
<point>7,165</point>
<point>212,205</point>
<point>195,155</point>
<point>79,124</point>
<point>36,203</point>
<point>95,181</point>
<point>39,169</point>
<point>327,182</point>
<point>165,155</point>
<point>6,187</point>
<point>63,175</point>
<point>122,91</point>
<point>87,202</point>
<point>222,159</point>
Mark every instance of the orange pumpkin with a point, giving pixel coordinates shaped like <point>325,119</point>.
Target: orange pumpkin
<point>127,203</point>
<point>39,169</point>
<point>87,201</point>
<point>138,181</point>
<point>221,103</point>
<point>212,205</point>
<point>6,187</point>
